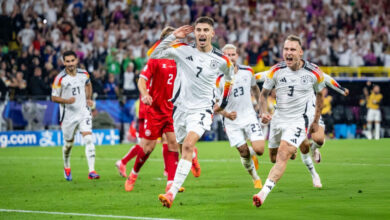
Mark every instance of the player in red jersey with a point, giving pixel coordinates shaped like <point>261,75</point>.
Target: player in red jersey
<point>156,86</point>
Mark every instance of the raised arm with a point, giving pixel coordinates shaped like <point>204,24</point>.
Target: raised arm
<point>261,76</point>
<point>163,49</point>
<point>332,83</point>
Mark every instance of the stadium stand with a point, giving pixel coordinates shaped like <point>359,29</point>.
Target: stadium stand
<point>347,38</point>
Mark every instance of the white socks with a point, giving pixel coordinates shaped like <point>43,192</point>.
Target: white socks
<point>306,159</point>
<point>90,152</point>
<point>248,164</point>
<point>251,151</point>
<point>268,186</point>
<point>66,150</point>
<point>314,145</point>
<point>377,130</point>
<point>369,131</point>
<point>183,168</point>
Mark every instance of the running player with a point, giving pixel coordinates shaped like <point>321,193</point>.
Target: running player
<point>240,118</point>
<point>198,67</point>
<point>72,89</point>
<point>155,85</point>
<point>294,80</point>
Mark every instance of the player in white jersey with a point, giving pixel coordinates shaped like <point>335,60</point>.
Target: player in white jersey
<point>240,118</point>
<point>198,67</point>
<point>294,80</point>
<point>72,89</point>
<point>318,137</point>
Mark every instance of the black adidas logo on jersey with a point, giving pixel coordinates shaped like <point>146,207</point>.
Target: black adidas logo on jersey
<point>283,80</point>
<point>189,58</point>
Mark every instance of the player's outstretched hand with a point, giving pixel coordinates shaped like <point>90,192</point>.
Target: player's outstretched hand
<point>265,118</point>
<point>147,99</point>
<point>71,100</point>
<point>346,92</point>
<point>231,115</point>
<point>183,31</point>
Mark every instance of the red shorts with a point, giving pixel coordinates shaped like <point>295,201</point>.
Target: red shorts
<point>141,128</point>
<point>157,124</point>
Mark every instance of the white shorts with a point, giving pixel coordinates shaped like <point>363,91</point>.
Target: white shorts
<point>374,115</point>
<point>238,135</point>
<point>69,127</point>
<point>294,133</point>
<point>184,122</point>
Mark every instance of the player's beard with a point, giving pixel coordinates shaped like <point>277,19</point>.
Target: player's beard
<point>70,69</point>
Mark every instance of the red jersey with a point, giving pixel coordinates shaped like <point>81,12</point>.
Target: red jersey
<point>142,109</point>
<point>160,76</point>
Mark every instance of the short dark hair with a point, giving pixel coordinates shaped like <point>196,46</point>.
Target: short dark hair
<point>206,20</point>
<point>292,37</point>
<point>166,31</point>
<point>69,53</point>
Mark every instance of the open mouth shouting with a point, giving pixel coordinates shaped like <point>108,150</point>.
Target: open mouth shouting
<point>202,41</point>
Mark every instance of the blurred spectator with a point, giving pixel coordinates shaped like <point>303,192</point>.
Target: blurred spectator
<point>326,112</point>
<point>111,88</point>
<point>129,81</point>
<point>374,113</point>
<point>36,84</point>
<point>97,83</point>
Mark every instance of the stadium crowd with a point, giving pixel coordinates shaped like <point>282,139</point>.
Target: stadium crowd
<point>112,37</point>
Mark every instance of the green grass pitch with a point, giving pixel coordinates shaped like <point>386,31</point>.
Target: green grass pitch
<point>355,176</point>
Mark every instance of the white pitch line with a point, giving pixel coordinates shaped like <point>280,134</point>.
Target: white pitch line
<point>200,160</point>
<point>82,214</point>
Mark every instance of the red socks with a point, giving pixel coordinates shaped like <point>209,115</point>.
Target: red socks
<point>131,154</point>
<point>171,164</point>
<point>141,159</point>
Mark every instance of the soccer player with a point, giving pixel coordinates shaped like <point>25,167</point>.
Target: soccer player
<point>240,118</point>
<point>72,89</point>
<point>198,67</point>
<point>156,85</point>
<point>374,113</point>
<point>294,80</point>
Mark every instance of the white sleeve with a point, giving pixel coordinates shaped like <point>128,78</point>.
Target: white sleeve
<point>333,84</point>
<point>163,49</point>
<point>269,83</point>
<point>261,76</point>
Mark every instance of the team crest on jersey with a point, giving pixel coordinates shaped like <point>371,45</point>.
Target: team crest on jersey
<point>305,79</point>
<point>214,64</point>
<point>148,132</point>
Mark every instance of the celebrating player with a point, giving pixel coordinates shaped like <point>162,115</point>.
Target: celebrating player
<point>198,67</point>
<point>72,89</point>
<point>155,85</point>
<point>294,80</point>
<point>240,118</point>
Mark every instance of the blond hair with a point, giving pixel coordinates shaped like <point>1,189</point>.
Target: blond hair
<point>229,46</point>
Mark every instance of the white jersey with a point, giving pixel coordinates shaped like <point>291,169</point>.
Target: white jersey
<point>67,86</point>
<point>261,76</point>
<point>194,87</point>
<point>240,99</point>
<point>294,90</point>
